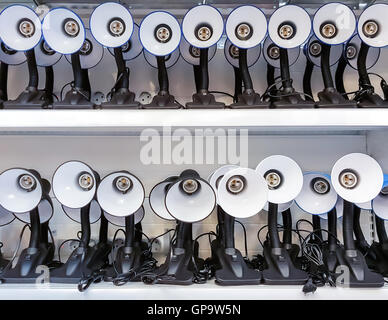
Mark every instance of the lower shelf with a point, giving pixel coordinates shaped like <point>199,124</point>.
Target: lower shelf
<point>208,291</point>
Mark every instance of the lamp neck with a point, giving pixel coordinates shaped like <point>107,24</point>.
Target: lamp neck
<point>32,69</point>
<point>129,231</point>
<point>123,82</point>
<point>85,226</point>
<point>35,229</point>
<point>325,66</point>
<point>273,225</point>
<point>204,62</point>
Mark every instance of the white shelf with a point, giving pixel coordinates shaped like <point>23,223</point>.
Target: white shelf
<point>73,121</point>
<point>209,291</point>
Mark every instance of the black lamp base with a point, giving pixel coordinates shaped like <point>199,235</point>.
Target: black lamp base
<point>162,101</point>
<point>82,263</point>
<point>127,259</point>
<point>122,99</point>
<point>74,100</point>
<point>359,275</point>
<point>249,101</point>
<point>291,100</point>
<point>29,260</point>
<point>331,98</point>
<point>204,100</point>
<point>372,100</point>
<point>232,270</point>
<point>3,262</point>
<point>329,258</point>
<point>31,98</point>
<point>178,268</point>
<point>380,263</point>
<point>281,270</point>
<point>293,251</point>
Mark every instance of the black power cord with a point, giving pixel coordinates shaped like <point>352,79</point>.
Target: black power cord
<point>207,271</point>
<point>145,271</point>
<point>311,259</point>
<point>9,264</point>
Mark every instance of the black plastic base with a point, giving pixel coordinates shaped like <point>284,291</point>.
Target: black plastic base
<point>292,101</point>
<point>330,259</point>
<point>372,100</point>
<point>360,276</point>
<point>204,101</point>
<point>82,263</point>
<point>31,98</point>
<point>178,268</point>
<point>249,101</point>
<point>26,267</point>
<point>380,264</point>
<point>281,270</point>
<point>74,100</point>
<point>331,98</point>
<point>3,263</point>
<point>293,251</point>
<point>122,99</point>
<point>162,101</point>
<point>127,259</point>
<point>231,267</point>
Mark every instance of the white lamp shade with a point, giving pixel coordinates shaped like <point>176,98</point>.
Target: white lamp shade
<point>100,19</point>
<point>6,217</point>
<point>10,19</point>
<point>45,209</point>
<point>117,203</point>
<point>291,177</point>
<point>250,16</point>
<point>369,176</point>
<point>380,206</point>
<point>281,206</point>
<point>14,198</point>
<point>75,214</point>
<point>120,221</point>
<point>156,199</point>
<point>364,205</point>
<point>290,14</point>
<point>253,54</point>
<point>190,208</point>
<point>170,59</point>
<point>378,13</point>
<point>340,16</point>
<point>90,58</point>
<point>66,187</point>
<point>44,57</point>
<point>147,33</point>
<point>313,202</point>
<point>293,54</point>
<point>186,49</point>
<point>339,208</point>
<point>202,15</point>
<point>371,59</point>
<point>133,47</point>
<point>335,53</point>
<point>10,56</point>
<point>250,201</point>
<point>54,34</point>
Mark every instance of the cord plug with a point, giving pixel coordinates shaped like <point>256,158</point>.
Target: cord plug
<point>309,287</point>
<point>149,279</point>
<point>384,87</point>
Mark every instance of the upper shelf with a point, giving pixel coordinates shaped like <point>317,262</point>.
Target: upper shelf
<point>134,121</point>
<point>186,4</point>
